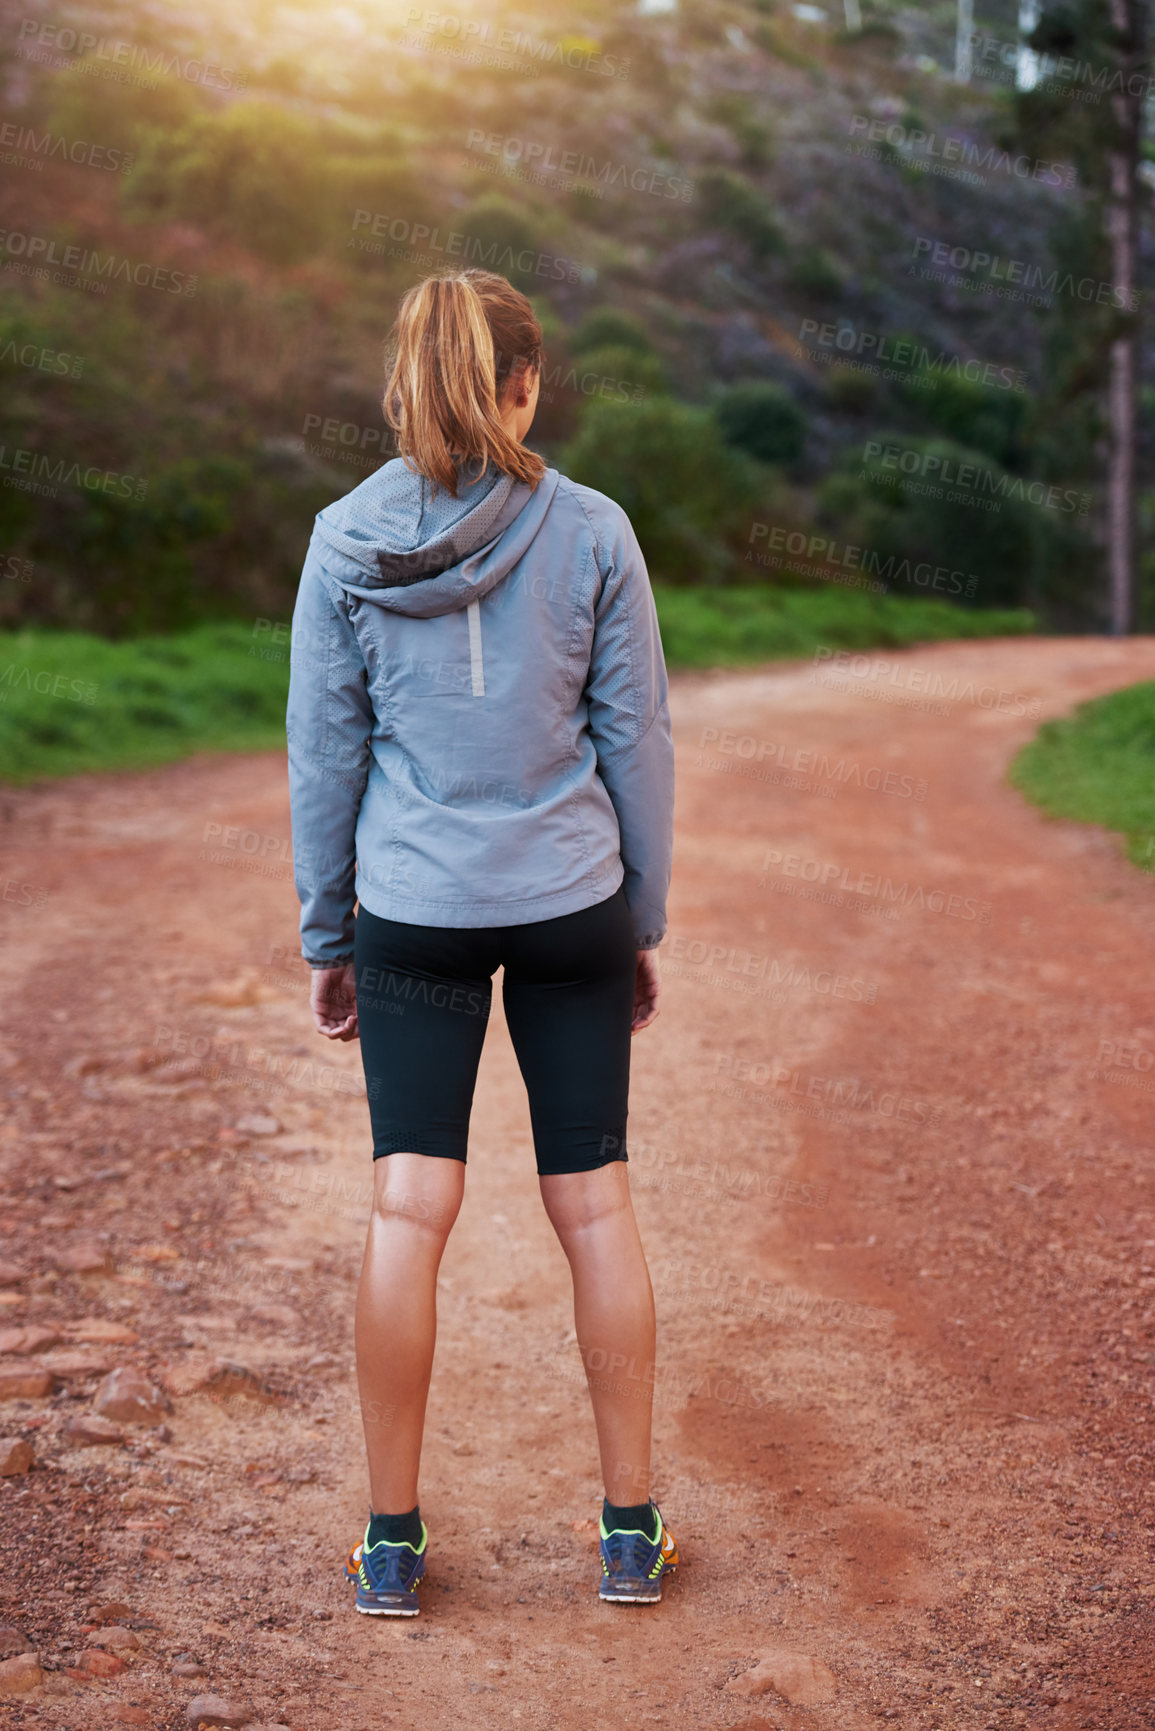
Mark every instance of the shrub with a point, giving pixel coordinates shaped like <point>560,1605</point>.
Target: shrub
<point>983,417</point>
<point>730,202</point>
<point>605,328</point>
<point>763,420</point>
<point>813,272</point>
<point>689,496</point>
<point>503,238</point>
<point>620,374</point>
<point>1020,554</point>
<point>230,174</point>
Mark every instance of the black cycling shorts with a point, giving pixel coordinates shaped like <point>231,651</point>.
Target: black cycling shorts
<point>423,1001</point>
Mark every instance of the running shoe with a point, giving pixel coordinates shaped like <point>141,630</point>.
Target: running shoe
<point>633,1564</point>
<point>387,1576</point>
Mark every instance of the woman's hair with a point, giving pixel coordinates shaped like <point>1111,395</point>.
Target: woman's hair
<point>461,344</point>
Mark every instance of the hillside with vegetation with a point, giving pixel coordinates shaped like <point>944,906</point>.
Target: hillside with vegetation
<point>807,315</point>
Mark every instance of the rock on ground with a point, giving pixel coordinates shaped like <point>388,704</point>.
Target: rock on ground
<point>86,1430</point>
<point>798,1677</point>
<point>13,1640</point>
<point>82,1259</point>
<point>215,1710</point>
<point>32,1338</point>
<point>16,1456</point>
<point>19,1675</point>
<point>26,1382</point>
<point>116,1638</point>
<point>100,1664</point>
<point>129,1397</point>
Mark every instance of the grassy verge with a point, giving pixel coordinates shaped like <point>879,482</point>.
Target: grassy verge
<point>751,623</point>
<point>72,702</point>
<point>1098,766</point>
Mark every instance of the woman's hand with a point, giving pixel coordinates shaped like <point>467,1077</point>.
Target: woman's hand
<point>647,991</point>
<point>333,1000</point>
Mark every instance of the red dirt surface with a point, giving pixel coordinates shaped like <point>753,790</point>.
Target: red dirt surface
<point>891,1156</point>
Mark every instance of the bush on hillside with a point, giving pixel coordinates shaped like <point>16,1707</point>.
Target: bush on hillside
<point>1011,551</point>
<point>763,420</point>
<point>228,175</point>
<point>620,375</point>
<point>606,327</point>
<point>728,201</point>
<point>992,419</point>
<point>689,496</point>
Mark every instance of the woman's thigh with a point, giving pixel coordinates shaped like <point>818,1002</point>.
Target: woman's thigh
<point>568,992</point>
<point>423,1002</point>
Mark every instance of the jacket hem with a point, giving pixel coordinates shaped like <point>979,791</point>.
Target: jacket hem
<point>517,911</point>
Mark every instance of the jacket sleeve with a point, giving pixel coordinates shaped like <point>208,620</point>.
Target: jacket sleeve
<point>329,721</point>
<point>629,719</point>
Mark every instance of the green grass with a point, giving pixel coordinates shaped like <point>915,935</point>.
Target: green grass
<point>738,626</point>
<point>1098,766</point>
<point>71,702</point>
<point>135,703</point>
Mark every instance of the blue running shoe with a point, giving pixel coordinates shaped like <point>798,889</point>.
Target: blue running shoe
<point>633,1564</point>
<point>387,1576</point>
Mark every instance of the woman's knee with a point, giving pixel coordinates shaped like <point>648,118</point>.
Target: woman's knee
<point>576,1201</point>
<point>420,1190</point>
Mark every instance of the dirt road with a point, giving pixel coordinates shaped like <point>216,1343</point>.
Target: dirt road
<point>891,1153</point>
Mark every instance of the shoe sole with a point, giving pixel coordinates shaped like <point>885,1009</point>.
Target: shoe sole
<point>637,1592</point>
<point>389,1610</point>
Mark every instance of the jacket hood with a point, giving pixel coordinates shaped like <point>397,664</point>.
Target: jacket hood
<point>413,549</point>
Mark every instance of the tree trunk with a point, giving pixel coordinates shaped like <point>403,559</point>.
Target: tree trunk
<point>963,41</point>
<point>1128,21</point>
<point>1027,65</point>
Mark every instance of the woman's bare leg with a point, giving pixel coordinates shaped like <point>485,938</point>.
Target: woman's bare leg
<point>416,1199</point>
<point>593,1216</point>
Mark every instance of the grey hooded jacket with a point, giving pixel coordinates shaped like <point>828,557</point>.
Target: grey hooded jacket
<point>477,721</point>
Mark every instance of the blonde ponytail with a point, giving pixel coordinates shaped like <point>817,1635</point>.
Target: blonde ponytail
<point>459,345</point>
